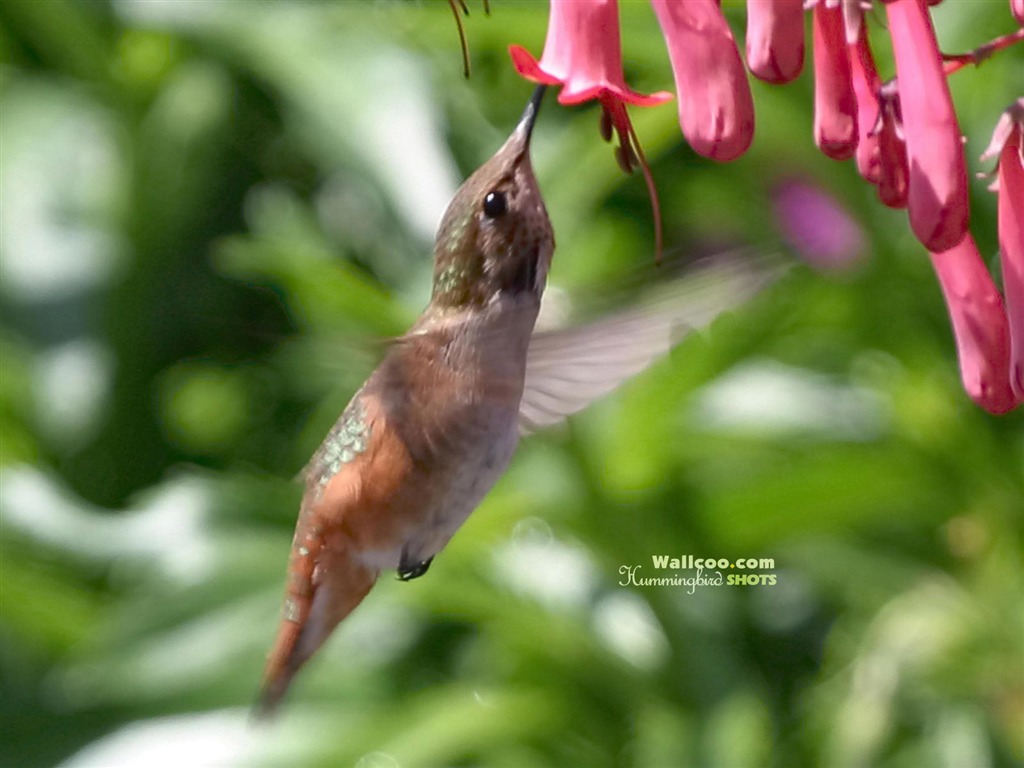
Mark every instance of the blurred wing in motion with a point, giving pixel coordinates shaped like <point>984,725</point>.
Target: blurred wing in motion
<point>569,368</point>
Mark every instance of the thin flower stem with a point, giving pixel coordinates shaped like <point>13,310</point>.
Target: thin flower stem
<point>455,5</point>
<point>956,62</point>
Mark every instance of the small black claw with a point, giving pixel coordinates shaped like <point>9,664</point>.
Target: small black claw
<point>408,571</point>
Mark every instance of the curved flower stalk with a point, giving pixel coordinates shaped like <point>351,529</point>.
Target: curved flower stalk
<point>1008,145</point>
<point>460,5</point>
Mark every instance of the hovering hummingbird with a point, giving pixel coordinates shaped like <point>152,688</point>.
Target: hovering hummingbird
<point>436,424</point>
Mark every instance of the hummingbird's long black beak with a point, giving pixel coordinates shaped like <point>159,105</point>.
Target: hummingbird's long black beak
<point>529,117</point>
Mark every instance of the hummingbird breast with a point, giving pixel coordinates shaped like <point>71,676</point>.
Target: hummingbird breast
<point>447,395</point>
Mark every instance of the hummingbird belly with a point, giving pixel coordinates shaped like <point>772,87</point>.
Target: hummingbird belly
<point>448,494</point>
<point>450,394</point>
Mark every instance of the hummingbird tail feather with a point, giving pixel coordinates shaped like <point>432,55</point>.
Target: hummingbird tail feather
<point>317,601</point>
<point>281,666</point>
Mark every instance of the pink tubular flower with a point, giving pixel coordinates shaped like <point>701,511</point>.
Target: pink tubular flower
<point>1017,9</point>
<point>1008,145</point>
<point>775,39</point>
<point>583,53</point>
<point>716,109</point>
<point>835,106</point>
<point>938,175</point>
<point>979,324</point>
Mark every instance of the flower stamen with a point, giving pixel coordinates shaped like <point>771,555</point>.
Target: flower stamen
<point>630,156</point>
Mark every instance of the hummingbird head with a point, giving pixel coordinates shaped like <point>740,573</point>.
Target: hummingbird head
<point>495,239</point>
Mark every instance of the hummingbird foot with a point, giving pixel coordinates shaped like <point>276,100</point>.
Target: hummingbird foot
<point>408,570</point>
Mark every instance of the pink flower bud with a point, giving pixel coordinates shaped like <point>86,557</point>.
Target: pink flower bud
<point>938,175</point>
<point>775,39</point>
<point>979,324</point>
<point>835,106</point>
<point>893,171</point>
<point>716,109</point>
<point>1017,9</point>
<point>866,85</point>
<point>1008,145</point>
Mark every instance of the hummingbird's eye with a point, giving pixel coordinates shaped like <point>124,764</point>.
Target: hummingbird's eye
<point>495,204</point>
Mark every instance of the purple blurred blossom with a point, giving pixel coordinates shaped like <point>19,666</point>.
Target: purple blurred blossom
<point>816,225</point>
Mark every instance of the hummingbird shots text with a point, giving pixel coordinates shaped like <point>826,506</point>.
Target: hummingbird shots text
<point>710,572</point>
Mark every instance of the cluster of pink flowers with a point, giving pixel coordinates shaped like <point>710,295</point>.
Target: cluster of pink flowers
<point>903,134</point>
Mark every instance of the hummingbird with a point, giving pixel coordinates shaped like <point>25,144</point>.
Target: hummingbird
<point>436,424</point>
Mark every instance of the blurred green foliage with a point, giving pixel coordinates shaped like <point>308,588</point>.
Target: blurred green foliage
<point>206,205</point>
